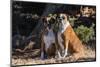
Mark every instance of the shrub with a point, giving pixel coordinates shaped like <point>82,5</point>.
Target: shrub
<point>84,33</point>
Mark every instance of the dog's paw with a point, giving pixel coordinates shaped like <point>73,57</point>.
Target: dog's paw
<point>43,56</point>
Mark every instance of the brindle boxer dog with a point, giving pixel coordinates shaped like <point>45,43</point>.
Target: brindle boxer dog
<point>69,43</point>
<point>48,38</point>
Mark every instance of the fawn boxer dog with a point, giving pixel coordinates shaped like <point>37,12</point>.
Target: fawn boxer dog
<point>69,43</point>
<point>47,38</point>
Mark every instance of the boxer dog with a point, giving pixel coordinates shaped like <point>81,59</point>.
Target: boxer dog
<point>48,38</point>
<point>69,43</point>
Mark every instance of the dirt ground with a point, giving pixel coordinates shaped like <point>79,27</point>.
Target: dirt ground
<point>32,57</point>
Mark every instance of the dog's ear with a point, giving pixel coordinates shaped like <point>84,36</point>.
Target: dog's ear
<point>57,15</point>
<point>44,19</point>
<point>67,17</point>
<point>54,16</point>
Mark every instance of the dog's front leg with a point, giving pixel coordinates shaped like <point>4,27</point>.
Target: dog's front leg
<point>42,50</point>
<point>66,48</point>
<point>42,54</point>
<point>58,54</point>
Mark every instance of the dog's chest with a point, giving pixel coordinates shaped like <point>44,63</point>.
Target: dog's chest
<point>49,38</point>
<point>63,26</point>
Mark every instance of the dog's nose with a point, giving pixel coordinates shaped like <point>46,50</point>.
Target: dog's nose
<point>60,19</point>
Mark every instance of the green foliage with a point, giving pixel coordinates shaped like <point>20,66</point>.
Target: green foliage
<point>85,34</point>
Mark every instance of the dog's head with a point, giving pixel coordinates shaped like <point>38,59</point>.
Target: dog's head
<point>62,22</point>
<point>49,22</point>
<point>62,18</point>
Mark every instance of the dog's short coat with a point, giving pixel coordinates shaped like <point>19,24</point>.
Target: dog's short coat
<point>67,39</point>
<point>64,43</point>
<point>48,39</point>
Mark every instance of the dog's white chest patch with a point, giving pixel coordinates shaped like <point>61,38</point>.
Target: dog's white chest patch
<point>63,26</point>
<point>49,39</point>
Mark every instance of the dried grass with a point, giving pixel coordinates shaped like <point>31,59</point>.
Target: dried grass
<point>32,57</point>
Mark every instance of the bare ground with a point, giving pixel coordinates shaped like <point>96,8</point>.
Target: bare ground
<point>32,57</point>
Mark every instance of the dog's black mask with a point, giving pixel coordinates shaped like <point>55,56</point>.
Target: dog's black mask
<point>49,23</point>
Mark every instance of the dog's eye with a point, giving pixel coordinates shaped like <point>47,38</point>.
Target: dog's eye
<point>63,17</point>
<point>58,17</point>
